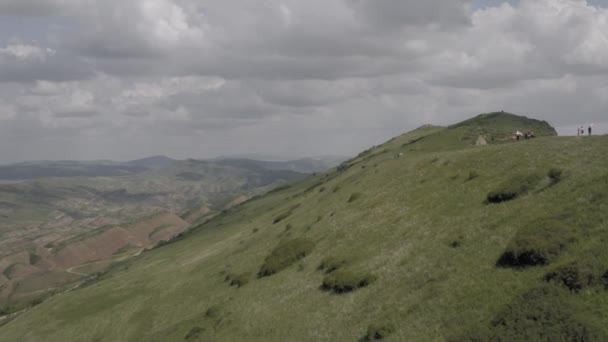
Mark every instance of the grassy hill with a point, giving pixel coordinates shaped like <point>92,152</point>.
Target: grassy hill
<point>425,238</point>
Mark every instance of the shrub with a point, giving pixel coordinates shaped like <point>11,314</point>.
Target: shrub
<point>281,217</point>
<point>284,255</point>
<point>536,245</point>
<point>576,276</point>
<point>354,197</point>
<point>34,258</point>
<point>555,175</point>
<point>514,188</point>
<point>213,312</point>
<point>343,166</point>
<point>238,280</point>
<point>541,314</point>
<point>344,281</point>
<point>472,175</point>
<point>378,332</point>
<point>194,334</point>
<point>330,264</point>
<point>455,244</point>
<point>285,214</point>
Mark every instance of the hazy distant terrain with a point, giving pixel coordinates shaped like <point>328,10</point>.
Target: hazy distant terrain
<point>92,207</point>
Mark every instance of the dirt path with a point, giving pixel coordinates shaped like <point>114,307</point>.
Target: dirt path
<point>71,270</point>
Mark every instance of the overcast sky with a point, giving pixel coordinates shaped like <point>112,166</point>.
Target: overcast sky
<point>116,79</point>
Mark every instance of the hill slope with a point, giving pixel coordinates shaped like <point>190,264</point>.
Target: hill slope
<point>401,242</point>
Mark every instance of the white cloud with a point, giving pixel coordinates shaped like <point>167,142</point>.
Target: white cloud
<point>341,74</point>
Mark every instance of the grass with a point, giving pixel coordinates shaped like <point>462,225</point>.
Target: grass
<point>401,233</point>
<point>284,255</point>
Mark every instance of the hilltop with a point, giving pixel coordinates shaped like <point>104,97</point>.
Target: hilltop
<point>428,237</point>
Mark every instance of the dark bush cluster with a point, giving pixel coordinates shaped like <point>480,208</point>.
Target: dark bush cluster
<point>194,334</point>
<point>577,275</point>
<point>355,196</point>
<point>237,280</point>
<point>282,216</point>
<point>345,281</point>
<point>555,175</point>
<point>284,255</point>
<point>537,245</point>
<point>378,332</point>
<point>331,264</point>
<point>541,314</point>
<point>514,188</point>
<point>472,175</point>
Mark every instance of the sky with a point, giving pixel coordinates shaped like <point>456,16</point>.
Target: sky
<point>115,79</point>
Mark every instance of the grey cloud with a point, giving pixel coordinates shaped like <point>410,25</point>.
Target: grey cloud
<point>30,8</point>
<point>76,114</point>
<point>137,73</point>
<point>396,14</point>
<point>57,68</point>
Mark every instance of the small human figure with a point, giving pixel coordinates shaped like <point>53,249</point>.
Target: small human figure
<point>590,129</point>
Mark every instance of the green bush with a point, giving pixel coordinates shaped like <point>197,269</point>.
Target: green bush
<point>555,175</point>
<point>34,258</point>
<point>537,245</point>
<point>238,280</point>
<point>354,197</point>
<point>378,332</point>
<point>281,217</point>
<point>284,255</point>
<point>541,314</point>
<point>194,334</point>
<point>285,214</point>
<point>472,175</point>
<point>577,275</point>
<point>331,264</point>
<point>514,188</point>
<point>345,281</point>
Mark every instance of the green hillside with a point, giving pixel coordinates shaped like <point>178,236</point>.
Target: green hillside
<point>425,238</point>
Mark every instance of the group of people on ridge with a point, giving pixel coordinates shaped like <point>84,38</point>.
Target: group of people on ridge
<point>581,130</point>
<point>525,135</point>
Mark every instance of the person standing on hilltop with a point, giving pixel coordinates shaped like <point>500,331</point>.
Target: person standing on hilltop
<point>590,129</point>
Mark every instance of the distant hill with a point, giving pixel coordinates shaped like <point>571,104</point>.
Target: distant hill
<point>152,162</point>
<point>47,169</point>
<point>427,237</point>
<point>304,165</point>
<point>104,168</point>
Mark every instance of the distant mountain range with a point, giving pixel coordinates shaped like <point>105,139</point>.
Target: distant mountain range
<point>107,168</point>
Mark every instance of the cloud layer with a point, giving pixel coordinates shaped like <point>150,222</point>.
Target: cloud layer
<point>123,79</point>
